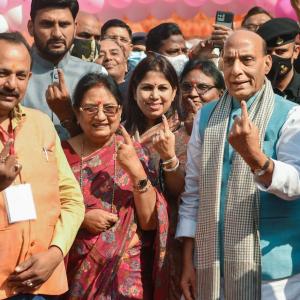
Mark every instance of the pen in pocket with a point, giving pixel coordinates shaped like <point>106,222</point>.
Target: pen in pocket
<point>46,153</point>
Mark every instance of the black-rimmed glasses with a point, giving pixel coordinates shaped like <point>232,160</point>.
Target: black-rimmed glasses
<point>201,88</point>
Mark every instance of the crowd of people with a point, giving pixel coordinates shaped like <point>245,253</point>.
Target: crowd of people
<point>137,166</point>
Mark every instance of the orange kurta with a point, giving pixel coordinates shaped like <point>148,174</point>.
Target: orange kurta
<point>19,241</point>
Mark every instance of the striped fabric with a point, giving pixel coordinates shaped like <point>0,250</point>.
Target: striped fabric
<point>242,257</point>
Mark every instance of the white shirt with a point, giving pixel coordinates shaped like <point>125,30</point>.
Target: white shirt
<point>285,180</point>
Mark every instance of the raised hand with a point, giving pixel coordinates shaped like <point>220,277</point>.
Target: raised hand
<point>192,108</point>
<point>127,156</point>
<point>58,98</point>
<point>164,141</point>
<point>296,5</point>
<point>203,50</point>
<point>220,34</point>
<point>98,220</point>
<point>9,166</point>
<point>244,135</point>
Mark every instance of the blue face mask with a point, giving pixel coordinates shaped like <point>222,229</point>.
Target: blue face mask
<point>135,57</point>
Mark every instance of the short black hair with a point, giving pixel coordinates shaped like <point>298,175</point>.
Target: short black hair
<point>208,68</point>
<point>135,118</point>
<point>16,38</point>
<point>115,23</point>
<point>256,10</point>
<point>158,34</point>
<point>91,80</point>
<point>36,5</point>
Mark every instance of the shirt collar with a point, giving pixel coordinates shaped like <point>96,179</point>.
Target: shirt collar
<point>237,104</point>
<point>36,57</point>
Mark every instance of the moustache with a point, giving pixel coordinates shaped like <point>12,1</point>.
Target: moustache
<point>4,92</point>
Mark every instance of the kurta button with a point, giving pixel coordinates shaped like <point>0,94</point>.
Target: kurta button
<point>32,244</point>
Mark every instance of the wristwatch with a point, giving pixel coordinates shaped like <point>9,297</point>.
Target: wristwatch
<point>142,185</point>
<point>263,170</point>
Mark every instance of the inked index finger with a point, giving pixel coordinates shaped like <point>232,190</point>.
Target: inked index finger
<point>126,136</point>
<point>165,123</point>
<point>244,114</point>
<point>61,78</point>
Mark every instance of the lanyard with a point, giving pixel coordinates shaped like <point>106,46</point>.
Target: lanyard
<point>5,136</point>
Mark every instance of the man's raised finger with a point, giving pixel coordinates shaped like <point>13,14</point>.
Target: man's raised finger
<point>61,78</point>
<point>244,114</point>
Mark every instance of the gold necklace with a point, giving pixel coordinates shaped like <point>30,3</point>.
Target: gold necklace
<point>114,177</point>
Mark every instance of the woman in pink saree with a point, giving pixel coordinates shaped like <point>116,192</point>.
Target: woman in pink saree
<point>119,251</point>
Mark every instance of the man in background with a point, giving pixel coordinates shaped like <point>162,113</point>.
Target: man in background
<point>54,70</point>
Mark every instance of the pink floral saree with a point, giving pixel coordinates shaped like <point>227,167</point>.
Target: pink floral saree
<point>107,266</point>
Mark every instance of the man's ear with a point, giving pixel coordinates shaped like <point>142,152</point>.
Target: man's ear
<point>296,51</point>
<point>30,27</point>
<point>268,63</point>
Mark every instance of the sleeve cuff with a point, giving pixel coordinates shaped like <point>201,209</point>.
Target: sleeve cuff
<point>185,228</point>
<point>275,177</point>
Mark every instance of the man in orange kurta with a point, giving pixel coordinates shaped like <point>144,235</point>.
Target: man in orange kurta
<point>32,250</point>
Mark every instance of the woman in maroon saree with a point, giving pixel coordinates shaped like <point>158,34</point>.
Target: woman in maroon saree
<point>119,251</point>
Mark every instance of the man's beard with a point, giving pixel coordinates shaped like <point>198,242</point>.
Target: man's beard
<point>54,54</point>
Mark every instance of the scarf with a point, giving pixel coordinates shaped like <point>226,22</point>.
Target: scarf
<point>242,256</point>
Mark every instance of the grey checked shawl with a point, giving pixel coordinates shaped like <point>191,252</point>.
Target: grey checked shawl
<point>242,257</point>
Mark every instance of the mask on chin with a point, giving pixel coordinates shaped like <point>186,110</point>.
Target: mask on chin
<point>178,62</point>
<point>280,67</point>
<point>87,50</point>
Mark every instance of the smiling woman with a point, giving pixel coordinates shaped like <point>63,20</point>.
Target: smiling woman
<point>152,109</point>
<point>114,254</point>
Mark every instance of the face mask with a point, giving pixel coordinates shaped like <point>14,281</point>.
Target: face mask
<point>178,62</point>
<point>136,56</point>
<point>280,67</point>
<point>87,50</point>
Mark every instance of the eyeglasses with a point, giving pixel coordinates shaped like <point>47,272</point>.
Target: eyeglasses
<point>117,38</point>
<point>201,88</point>
<point>108,110</point>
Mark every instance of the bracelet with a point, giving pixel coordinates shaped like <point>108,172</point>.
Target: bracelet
<point>263,170</point>
<point>171,169</point>
<point>166,162</point>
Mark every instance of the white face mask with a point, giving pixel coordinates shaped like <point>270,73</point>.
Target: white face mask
<point>178,62</point>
